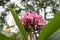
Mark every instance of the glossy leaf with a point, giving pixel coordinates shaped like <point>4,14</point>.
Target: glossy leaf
<point>51,27</point>
<point>19,24</point>
<point>55,36</point>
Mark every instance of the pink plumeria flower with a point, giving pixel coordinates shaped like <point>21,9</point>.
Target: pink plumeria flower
<point>30,18</point>
<point>41,22</point>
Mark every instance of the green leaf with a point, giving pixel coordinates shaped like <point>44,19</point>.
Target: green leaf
<point>51,27</point>
<point>3,37</point>
<point>55,36</point>
<point>19,24</point>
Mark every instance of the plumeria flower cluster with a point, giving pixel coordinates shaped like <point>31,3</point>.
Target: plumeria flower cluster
<point>32,19</point>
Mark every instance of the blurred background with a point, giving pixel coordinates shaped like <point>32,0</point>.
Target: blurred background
<point>46,8</point>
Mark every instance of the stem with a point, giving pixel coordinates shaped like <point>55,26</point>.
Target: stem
<point>30,35</point>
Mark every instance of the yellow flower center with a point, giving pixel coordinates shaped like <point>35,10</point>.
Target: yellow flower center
<point>8,30</point>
